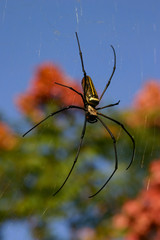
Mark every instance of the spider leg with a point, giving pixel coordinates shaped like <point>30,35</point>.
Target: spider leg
<point>80,53</point>
<point>50,115</point>
<point>81,57</point>
<point>116,158</point>
<point>75,160</point>
<point>114,68</point>
<point>122,126</point>
<point>110,105</point>
<point>74,90</point>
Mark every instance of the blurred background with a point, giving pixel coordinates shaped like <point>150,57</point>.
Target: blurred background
<point>38,47</point>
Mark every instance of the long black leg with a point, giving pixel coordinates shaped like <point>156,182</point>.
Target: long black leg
<point>116,158</point>
<point>75,160</point>
<point>84,72</point>
<point>110,105</point>
<point>80,53</point>
<point>74,90</point>
<point>52,114</point>
<point>122,126</point>
<point>114,68</point>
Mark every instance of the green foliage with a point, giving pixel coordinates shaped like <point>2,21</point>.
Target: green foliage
<point>36,166</point>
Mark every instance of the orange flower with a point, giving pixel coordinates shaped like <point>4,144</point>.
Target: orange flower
<point>28,103</point>
<point>141,217</point>
<point>141,224</point>
<point>132,207</point>
<point>132,236</point>
<point>148,98</point>
<point>43,82</point>
<point>43,88</point>
<point>155,171</point>
<point>146,106</point>
<point>120,221</point>
<point>7,139</point>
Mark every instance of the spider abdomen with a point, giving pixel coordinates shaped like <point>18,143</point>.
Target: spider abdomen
<point>91,95</point>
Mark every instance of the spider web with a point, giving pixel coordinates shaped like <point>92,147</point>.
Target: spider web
<point>33,33</point>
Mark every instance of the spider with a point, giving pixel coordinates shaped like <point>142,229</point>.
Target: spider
<point>91,100</point>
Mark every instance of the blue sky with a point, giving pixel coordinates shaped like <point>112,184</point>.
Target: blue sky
<point>33,32</point>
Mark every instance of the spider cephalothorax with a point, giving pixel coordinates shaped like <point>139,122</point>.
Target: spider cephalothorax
<point>91,114</point>
<point>91,100</point>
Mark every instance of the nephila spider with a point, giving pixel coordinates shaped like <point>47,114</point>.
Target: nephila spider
<point>91,100</point>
